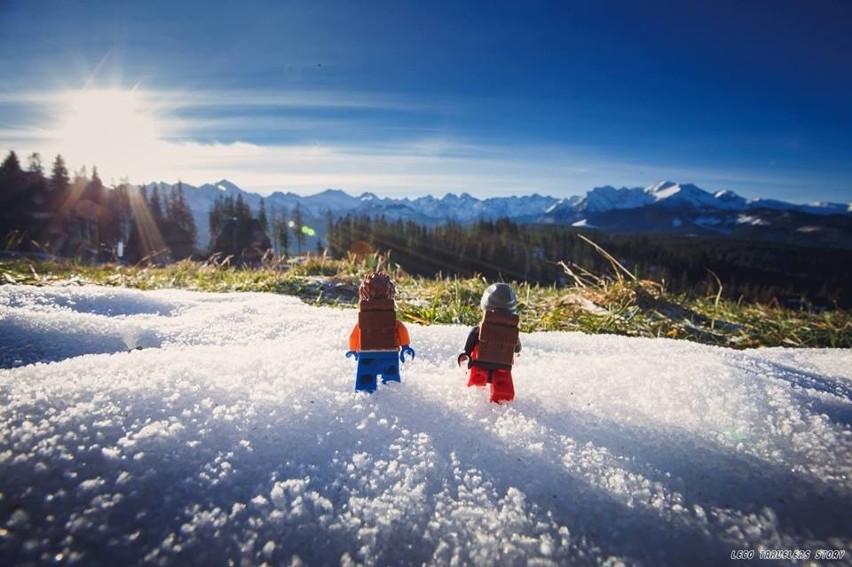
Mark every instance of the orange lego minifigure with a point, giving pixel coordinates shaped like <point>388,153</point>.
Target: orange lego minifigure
<point>379,341</point>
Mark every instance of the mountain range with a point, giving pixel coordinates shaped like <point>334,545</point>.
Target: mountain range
<point>664,207</point>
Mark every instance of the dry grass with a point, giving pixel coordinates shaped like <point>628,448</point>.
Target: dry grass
<point>616,303</point>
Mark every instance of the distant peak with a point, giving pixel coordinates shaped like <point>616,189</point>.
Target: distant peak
<point>225,185</point>
<point>727,195</point>
<point>661,186</point>
<point>457,197</point>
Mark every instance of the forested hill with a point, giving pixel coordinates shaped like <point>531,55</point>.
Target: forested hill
<point>752,270</point>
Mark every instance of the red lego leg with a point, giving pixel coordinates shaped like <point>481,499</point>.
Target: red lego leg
<point>502,388</point>
<point>478,377</point>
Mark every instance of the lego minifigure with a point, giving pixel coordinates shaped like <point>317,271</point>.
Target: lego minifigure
<point>379,342</point>
<point>491,346</point>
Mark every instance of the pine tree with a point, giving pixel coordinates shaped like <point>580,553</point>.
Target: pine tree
<point>180,213</point>
<point>155,203</point>
<point>215,219</point>
<point>12,200</point>
<point>11,166</point>
<point>59,180</point>
<point>58,191</point>
<point>38,207</point>
<point>261,216</point>
<point>241,209</point>
<point>298,225</point>
<point>282,233</point>
<point>93,211</point>
<point>35,164</point>
<point>120,219</point>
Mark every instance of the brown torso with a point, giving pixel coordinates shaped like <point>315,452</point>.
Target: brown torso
<point>498,338</point>
<point>377,323</point>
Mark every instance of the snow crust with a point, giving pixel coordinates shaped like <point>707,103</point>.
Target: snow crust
<point>182,428</point>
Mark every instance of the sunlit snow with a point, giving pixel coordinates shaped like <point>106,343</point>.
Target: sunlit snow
<point>181,428</point>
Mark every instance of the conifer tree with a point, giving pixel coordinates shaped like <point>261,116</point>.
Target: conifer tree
<point>261,216</point>
<point>59,203</point>
<point>298,225</point>
<point>180,213</point>
<point>35,164</point>
<point>155,203</point>
<point>282,233</point>
<point>12,199</point>
<point>59,180</point>
<point>241,209</point>
<point>11,166</point>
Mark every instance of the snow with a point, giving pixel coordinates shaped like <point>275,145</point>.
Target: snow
<point>184,428</point>
<point>583,223</point>
<point>752,220</point>
<point>602,199</point>
<point>663,190</point>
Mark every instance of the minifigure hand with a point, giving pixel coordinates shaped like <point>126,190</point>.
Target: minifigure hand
<point>406,350</point>
<point>352,353</point>
<point>462,358</point>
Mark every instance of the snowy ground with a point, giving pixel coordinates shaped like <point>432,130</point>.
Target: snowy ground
<point>181,428</point>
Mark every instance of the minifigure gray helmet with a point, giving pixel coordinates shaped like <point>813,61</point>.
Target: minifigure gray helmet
<point>499,296</point>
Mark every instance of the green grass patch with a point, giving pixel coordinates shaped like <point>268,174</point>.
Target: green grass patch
<point>596,304</point>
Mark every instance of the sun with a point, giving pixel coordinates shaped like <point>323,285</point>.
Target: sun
<point>117,130</point>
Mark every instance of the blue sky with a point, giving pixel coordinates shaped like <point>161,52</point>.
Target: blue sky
<point>429,97</point>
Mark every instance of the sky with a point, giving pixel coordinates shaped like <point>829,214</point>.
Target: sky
<point>405,98</point>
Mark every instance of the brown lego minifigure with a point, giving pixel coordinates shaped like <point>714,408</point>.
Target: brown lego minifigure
<point>490,348</point>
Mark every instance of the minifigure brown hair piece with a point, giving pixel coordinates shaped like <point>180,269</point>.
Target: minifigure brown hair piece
<point>376,286</point>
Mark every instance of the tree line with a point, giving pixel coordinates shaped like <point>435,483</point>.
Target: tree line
<point>239,233</point>
<point>755,271</point>
<point>79,216</point>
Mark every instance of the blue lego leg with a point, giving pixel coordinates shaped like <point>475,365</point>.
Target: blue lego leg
<point>371,364</point>
<point>389,363</point>
<point>365,378</point>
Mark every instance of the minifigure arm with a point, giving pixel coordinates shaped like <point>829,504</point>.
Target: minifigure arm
<point>402,338</point>
<point>355,339</point>
<point>472,339</point>
<point>469,345</point>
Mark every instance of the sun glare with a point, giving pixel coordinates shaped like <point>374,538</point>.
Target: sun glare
<point>111,128</point>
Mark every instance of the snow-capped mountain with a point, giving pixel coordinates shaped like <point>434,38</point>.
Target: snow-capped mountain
<point>673,195</point>
<point>665,206</point>
<point>669,207</point>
